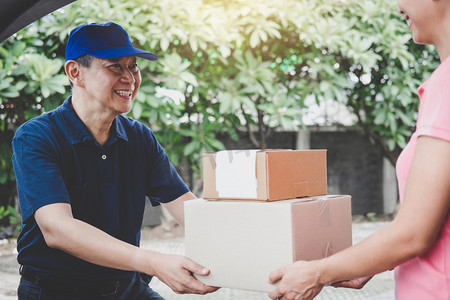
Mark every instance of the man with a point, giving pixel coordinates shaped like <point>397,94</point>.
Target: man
<point>83,172</point>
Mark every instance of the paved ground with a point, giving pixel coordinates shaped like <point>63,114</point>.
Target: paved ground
<point>170,240</point>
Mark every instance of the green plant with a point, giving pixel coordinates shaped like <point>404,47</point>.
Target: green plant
<point>372,216</point>
<point>9,219</point>
<point>6,170</point>
<point>235,67</point>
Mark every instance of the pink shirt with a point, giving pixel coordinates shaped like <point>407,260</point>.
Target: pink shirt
<point>428,276</point>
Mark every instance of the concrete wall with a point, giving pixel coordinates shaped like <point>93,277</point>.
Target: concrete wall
<point>357,168</point>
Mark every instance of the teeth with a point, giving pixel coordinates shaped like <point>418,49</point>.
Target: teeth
<point>124,93</point>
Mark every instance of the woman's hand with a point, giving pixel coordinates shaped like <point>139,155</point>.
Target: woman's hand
<point>299,280</point>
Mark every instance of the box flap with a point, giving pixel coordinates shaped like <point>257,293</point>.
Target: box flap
<point>331,219</point>
<point>261,173</point>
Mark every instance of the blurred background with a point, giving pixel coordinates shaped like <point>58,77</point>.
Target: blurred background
<point>339,75</point>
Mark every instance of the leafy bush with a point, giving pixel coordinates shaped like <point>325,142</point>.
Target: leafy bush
<point>9,222</point>
<point>231,66</point>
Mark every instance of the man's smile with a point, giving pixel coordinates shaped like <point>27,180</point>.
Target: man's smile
<point>126,93</point>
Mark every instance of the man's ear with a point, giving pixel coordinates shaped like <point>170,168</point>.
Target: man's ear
<point>74,72</point>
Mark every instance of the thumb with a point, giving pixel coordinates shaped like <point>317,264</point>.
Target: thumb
<point>276,275</point>
<point>195,268</point>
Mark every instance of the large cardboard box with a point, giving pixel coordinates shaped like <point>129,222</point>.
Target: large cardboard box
<point>241,242</point>
<point>267,175</point>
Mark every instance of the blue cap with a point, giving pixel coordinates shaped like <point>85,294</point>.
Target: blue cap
<point>107,40</point>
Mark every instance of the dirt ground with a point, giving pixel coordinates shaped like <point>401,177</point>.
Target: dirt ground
<point>7,246</point>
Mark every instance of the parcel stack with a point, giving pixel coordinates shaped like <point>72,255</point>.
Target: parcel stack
<point>263,209</point>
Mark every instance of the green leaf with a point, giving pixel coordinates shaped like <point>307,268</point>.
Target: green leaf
<point>137,110</point>
<point>189,78</point>
<point>9,93</point>
<point>254,39</point>
<point>406,120</point>
<point>380,117</point>
<point>5,83</point>
<point>392,122</point>
<point>190,148</point>
<point>391,144</point>
<point>3,179</point>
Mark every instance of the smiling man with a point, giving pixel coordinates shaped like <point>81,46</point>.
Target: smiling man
<point>83,172</point>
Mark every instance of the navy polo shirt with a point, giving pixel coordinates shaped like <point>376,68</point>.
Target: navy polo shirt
<point>57,160</point>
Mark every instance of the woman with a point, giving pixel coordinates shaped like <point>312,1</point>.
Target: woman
<point>417,242</point>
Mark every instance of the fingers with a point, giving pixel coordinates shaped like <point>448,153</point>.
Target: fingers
<point>195,268</point>
<point>296,281</point>
<point>210,289</point>
<point>276,275</point>
<point>190,284</point>
<point>187,284</point>
<point>290,295</point>
<point>275,294</point>
<point>343,284</point>
<point>177,272</point>
<point>197,287</point>
<point>357,283</point>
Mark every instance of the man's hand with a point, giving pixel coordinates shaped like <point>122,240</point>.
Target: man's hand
<point>177,272</point>
<point>357,283</point>
<point>299,281</point>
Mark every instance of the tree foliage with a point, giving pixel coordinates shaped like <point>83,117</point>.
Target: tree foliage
<point>233,66</point>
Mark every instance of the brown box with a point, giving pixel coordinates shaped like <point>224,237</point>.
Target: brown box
<point>241,242</point>
<point>276,174</point>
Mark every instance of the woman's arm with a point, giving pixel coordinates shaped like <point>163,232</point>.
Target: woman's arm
<point>412,233</point>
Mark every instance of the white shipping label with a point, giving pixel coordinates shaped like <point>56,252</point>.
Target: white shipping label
<point>236,174</point>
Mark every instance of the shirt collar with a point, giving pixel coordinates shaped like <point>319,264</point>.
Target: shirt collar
<point>443,67</point>
<point>77,131</point>
<point>421,89</point>
<point>120,129</point>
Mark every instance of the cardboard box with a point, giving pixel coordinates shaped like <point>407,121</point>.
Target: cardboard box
<point>267,175</point>
<point>241,242</point>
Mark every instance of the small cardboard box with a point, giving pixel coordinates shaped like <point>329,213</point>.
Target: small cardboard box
<point>267,175</point>
<point>241,242</point>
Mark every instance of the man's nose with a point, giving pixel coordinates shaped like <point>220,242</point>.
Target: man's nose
<point>128,76</point>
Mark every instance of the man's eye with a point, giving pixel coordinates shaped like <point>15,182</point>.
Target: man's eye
<point>115,67</point>
<point>134,67</point>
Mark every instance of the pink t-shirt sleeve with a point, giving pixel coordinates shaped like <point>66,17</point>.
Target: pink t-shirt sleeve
<point>427,276</point>
<point>434,115</point>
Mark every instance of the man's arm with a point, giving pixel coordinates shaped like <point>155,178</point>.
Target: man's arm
<point>62,231</point>
<point>176,207</point>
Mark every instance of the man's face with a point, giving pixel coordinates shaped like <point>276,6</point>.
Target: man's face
<point>112,84</point>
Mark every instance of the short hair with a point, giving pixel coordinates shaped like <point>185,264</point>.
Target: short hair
<point>84,60</point>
